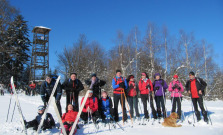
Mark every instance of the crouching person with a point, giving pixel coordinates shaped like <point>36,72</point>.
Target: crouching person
<point>47,124</point>
<point>90,108</point>
<point>105,106</point>
<point>69,118</point>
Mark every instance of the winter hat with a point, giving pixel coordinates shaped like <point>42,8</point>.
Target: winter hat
<point>175,76</point>
<point>90,91</point>
<point>157,74</point>
<point>49,75</point>
<point>118,71</point>
<point>132,76</point>
<point>41,107</point>
<point>73,73</point>
<point>192,73</point>
<point>144,74</point>
<point>94,75</point>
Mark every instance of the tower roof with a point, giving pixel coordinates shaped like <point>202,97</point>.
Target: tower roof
<point>41,30</point>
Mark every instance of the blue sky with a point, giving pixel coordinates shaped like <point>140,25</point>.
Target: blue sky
<point>100,19</point>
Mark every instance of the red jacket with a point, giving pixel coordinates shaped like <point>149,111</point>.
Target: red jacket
<point>92,103</point>
<point>32,86</point>
<point>194,89</point>
<point>143,84</point>
<point>11,86</point>
<point>132,90</point>
<point>69,116</point>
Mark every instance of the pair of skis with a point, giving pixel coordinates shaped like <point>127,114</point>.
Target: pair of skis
<point>44,114</point>
<point>52,100</point>
<point>18,106</point>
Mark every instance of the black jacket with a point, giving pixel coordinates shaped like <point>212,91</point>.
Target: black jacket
<point>46,90</point>
<point>96,87</point>
<point>200,84</point>
<point>72,86</point>
<point>48,122</point>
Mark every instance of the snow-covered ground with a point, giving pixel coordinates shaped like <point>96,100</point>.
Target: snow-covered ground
<point>29,107</point>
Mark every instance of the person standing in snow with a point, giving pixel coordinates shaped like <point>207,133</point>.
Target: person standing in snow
<point>47,124</point>
<point>160,87</point>
<point>72,87</point>
<point>176,89</point>
<point>132,95</point>
<point>119,83</point>
<point>32,88</point>
<point>95,84</point>
<point>195,87</point>
<point>2,89</point>
<point>145,87</point>
<point>46,90</point>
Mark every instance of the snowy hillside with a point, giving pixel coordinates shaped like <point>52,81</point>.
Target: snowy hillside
<point>29,107</point>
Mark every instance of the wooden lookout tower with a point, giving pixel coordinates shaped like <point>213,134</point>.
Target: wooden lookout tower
<point>40,53</point>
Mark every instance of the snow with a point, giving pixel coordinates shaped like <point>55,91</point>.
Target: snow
<point>29,106</point>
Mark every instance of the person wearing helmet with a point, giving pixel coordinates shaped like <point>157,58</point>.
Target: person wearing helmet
<point>47,124</point>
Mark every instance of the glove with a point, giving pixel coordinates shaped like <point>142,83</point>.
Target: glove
<point>122,85</point>
<point>106,112</point>
<point>148,86</point>
<point>58,97</point>
<point>157,88</point>
<point>57,101</point>
<point>45,104</point>
<point>174,87</point>
<point>179,88</point>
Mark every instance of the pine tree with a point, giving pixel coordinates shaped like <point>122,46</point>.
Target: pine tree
<point>18,43</point>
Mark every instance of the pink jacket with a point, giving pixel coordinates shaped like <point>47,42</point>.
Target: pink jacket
<point>176,92</point>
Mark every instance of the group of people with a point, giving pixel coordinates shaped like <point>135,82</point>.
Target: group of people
<point>100,105</point>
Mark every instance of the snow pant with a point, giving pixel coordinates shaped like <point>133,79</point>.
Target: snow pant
<point>72,98</point>
<point>201,105</point>
<point>57,103</point>
<point>2,92</point>
<point>103,115</point>
<point>144,99</point>
<point>34,124</point>
<point>59,108</point>
<point>133,103</point>
<point>68,128</point>
<point>159,100</point>
<point>152,107</point>
<point>84,116</point>
<point>117,98</point>
<point>33,92</point>
<point>176,101</point>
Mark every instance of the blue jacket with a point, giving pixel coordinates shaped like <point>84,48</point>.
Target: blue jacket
<point>117,86</point>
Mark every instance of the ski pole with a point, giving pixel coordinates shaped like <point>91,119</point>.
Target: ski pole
<point>128,107</point>
<point>148,104</point>
<point>122,108</point>
<point>164,101</point>
<point>181,105</point>
<point>13,111</point>
<point>117,123</point>
<point>192,110</point>
<point>94,123</point>
<point>88,120</point>
<point>207,112</point>
<point>173,101</point>
<point>9,107</point>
